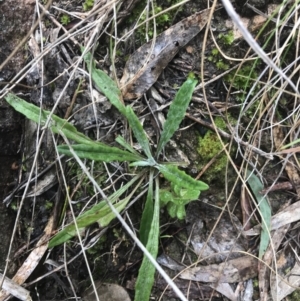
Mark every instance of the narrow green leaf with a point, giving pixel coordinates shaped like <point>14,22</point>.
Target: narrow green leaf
<point>146,274</point>
<point>180,178</point>
<point>143,163</point>
<point>176,112</point>
<point>102,214</point>
<point>126,145</point>
<point>108,87</point>
<point>147,215</point>
<point>138,131</point>
<point>100,152</point>
<point>57,124</point>
<point>112,92</point>
<point>264,210</point>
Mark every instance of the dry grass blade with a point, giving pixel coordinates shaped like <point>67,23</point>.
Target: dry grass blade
<point>15,290</point>
<point>254,45</point>
<point>32,260</point>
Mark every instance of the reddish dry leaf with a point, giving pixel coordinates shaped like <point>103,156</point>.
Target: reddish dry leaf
<point>146,64</point>
<point>246,209</point>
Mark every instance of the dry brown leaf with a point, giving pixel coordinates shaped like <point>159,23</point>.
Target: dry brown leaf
<point>264,271</point>
<point>284,217</point>
<point>226,290</point>
<point>246,208</point>
<point>290,166</point>
<point>231,271</point>
<point>285,286</point>
<point>107,292</point>
<point>146,64</point>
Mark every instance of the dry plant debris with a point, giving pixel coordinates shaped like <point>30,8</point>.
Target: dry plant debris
<point>147,63</point>
<point>266,122</point>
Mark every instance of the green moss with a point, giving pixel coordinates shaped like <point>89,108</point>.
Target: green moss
<point>226,39</point>
<point>216,58</point>
<point>98,246</point>
<point>242,80</point>
<point>163,21</point>
<point>209,147</point>
<point>255,283</point>
<point>14,205</point>
<point>295,296</point>
<point>215,51</point>
<point>88,4</point>
<point>48,205</point>
<point>65,19</point>
<point>221,65</point>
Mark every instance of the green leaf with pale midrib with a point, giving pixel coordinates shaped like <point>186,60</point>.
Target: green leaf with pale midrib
<point>176,112</point>
<point>100,213</point>
<point>56,124</point>
<point>180,178</point>
<point>264,210</point>
<point>145,278</point>
<point>105,84</point>
<point>112,92</point>
<point>103,215</point>
<point>126,145</point>
<point>96,152</point>
<point>138,131</point>
<point>147,215</point>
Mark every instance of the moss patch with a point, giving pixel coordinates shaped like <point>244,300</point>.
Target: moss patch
<point>243,79</point>
<point>163,21</point>
<point>208,147</point>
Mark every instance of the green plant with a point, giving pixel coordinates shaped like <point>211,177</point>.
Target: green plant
<point>264,209</point>
<point>88,4</point>
<point>176,198</point>
<point>215,57</point>
<point>221,65</point>
<point>162,21</point>
<point>65,19</point>
<point>227,38</point>
<point>183,187</point>
<point>209,147</point>
<point>243,79</point>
